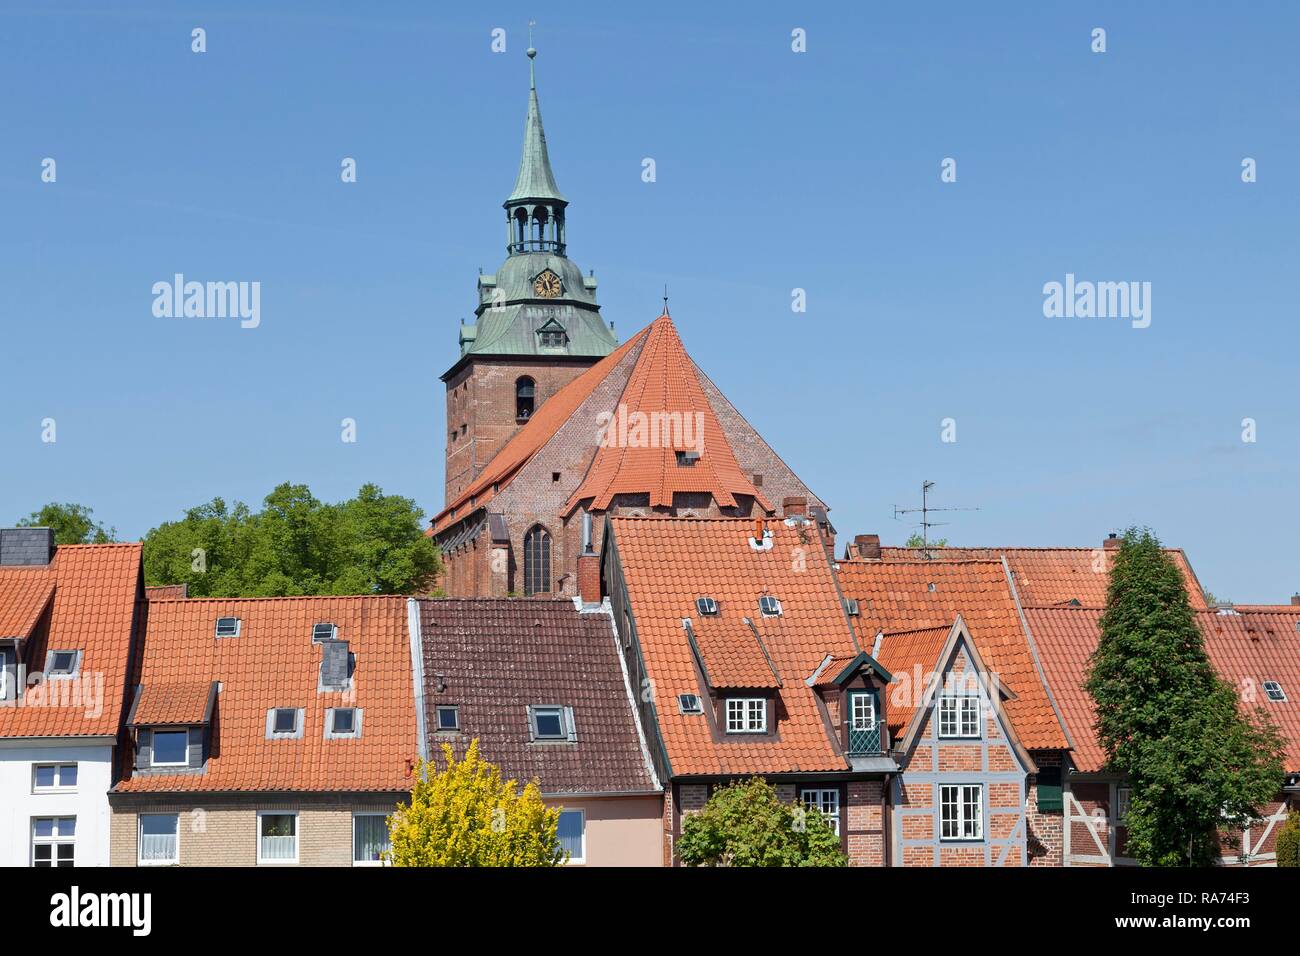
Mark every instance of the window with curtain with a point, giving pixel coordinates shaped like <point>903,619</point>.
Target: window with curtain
<point>537,561</point>
<point>572,832</point>
<point>277,838</point>
<point>159,839</point>
<point>369,839</point>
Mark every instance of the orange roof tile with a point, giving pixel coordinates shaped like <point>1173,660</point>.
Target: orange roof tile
<point>1046,576</point>
<point>526,442</point>
<point>93,609</point>
<point>663,410</point>
<point>910,595</point>
<point>914,654</point>
<point>274,663</point>
<point>732,653</point>
<point>1246,649</point>
<point>669,562</point>
<point>24,595</point>
<point>173,703</point>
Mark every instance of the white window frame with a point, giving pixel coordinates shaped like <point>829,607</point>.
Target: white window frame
<point>956,713</point>
<point>297,837</point>
<point>139,841</point>
<point>74,669</point>
<point>822,798</point>
<point>153,748</point>
<point>355,817</point>
<point>776,612</point>
<point>963,818</point>
<point>1276,686</point>
<point>437,717</point>
<point>537,710</point>
<point>1123,798</point>
<point>741,712</point>
<point>54,841</point>
<point>239,626</point>
<point>855,699</point>
<point>577,860</point>
<point>58,786</point>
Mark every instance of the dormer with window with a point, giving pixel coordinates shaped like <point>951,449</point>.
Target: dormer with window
<point>853,693</point>
<point>551,337</point>
<point>173,727</point>
<point>741,679</point>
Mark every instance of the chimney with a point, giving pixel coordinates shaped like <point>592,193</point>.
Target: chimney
<point>589,577</point>
<point>26,547</point>
<point>758,531</point>
<point>1295,600</point>
<point>1111,542</point>
<point>794,506</point>
<point>867,546</point>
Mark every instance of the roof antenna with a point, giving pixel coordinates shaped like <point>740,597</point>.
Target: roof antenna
<point>532,54</point>
<point>665,298</point>
<point>926,523</point>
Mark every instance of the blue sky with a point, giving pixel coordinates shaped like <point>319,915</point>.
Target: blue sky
<point>775,171</point>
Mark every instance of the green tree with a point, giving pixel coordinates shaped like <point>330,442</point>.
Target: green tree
<point>1195,759</point>
<point>72,524</point>
<point>916,541</point>
<point>1288,841</point>
<point>296,545</point>
<point>466,815</point>
<point>747,824</point>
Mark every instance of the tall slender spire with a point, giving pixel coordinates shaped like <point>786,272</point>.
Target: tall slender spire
<point>535,180</point>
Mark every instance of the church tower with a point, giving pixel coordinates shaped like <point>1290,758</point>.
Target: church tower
<point>536,326</point>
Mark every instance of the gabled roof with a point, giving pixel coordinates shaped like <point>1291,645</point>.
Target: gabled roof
<point>1046,576</point>
<point>667,563</point>
<point>914,654</point>
<point>899,595</point>
<point>495,657</point>
<point>665,400</point>
<point>184,703</point>
<point>274,663</point>
<point>96,588</point>
<point>1246,649</point>
<point>839,670</point>
<point>731,653</point>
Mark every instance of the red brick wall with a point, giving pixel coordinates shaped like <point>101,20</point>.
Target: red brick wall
<point>863,822</point>
<point>1045,842</point>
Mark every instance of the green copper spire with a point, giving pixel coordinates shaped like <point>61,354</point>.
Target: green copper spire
<point>535,180</point>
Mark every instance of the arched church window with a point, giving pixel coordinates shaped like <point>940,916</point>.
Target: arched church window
<point>525,397</point>
<point>537,561</point>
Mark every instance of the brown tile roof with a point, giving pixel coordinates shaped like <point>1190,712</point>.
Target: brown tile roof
<point>1046,576</point>
<point>1246,649</point>
<point>667,564</point>
<point>913,654</point>
<point>664,387</point>
<point>895,595</point>
<point>732,654</point>
<point>494,658</point>
<point>96,587</point>
<point>274,663</point>
<point>174,703</point>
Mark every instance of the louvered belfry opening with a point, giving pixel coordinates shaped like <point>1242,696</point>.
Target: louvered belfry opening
<point>525,398</point>
<point>537,561</point>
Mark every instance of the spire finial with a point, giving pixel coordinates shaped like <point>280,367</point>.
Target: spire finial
<point>666,298</point>
<point>532,57</point>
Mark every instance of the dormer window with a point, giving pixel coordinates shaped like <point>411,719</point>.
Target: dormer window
<point>228,627</point>
<point>746,715</point>
<point>687,459</point>
<point>706,606</point>
<point>62,663</point>
<point>171,748</point>
<point>1273,690</point>
<point>769,606</point>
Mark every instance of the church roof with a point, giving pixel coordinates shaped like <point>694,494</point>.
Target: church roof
<point>658,386</point>
<point>535,179</point>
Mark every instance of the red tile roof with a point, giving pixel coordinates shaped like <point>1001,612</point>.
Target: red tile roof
<point>911,655</point>
<point>166,592</point>
<point>274,663</point>
<point>493,658</point>
<point>663,389</point>
<point>896,595</point>
<point>1246,649</point>
<point>176,703</point>
<point>1046,576</point>
<point>96,590</point>
<point>733,654</point>
<point>669,562</point>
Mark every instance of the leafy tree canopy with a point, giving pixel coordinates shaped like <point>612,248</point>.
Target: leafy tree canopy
<point>296,545</point>
<point>747,824</point>
<point>466,815</point>
<point>916,541</point>
<point>72,524</point>
<point>1197,759</point>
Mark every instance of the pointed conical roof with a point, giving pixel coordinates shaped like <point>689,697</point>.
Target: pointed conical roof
<point>535,179</point>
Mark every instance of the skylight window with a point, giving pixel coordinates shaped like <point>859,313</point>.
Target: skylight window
<point>550,722</point>
<point>690,704</point>
<point>343,722</point>
<point>449,717</point>
<point>687,458</point>
<point>62,663</point>
<point>770,606</point>
<point>228,627</point>
<point>851,607</point>
<point>706,606</point>
<point>324,631</point>
<point>284,722</point>
<point>1274,691</point>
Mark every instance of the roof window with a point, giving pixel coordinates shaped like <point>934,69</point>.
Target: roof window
<point>228,627</point>
<point>706,606</point>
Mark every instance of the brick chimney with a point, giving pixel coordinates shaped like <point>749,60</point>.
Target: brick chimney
<point>26,547</point>
<point>794,506</point>
<point>589,577</point>
<point>1295,600</point>
<point>1112,542</point>
<point>867,546</point>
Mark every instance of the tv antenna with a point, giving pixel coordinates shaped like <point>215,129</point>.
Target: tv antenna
<point>925,510</point>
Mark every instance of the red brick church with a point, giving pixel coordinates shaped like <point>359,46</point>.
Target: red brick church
<point>552,424</point>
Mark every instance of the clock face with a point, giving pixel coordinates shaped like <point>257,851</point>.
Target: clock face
<point>547,285</point>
